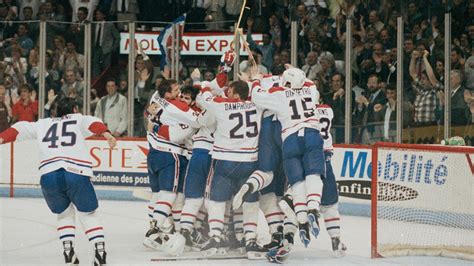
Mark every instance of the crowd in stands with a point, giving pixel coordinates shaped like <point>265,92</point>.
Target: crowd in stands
<point>321,49</point>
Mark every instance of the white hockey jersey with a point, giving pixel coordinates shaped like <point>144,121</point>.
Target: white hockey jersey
<point>62,141</point>
<point>294,108</point>
<point>237,127</point>
<point>181,124</point>
<point>325,115</point>
<point>267,82</point>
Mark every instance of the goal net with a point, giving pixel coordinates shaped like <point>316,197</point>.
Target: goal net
<point>422,200</point>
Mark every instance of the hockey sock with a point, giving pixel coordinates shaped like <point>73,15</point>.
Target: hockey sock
<point>250,211</point>
<point>151,205</point>
<point>201,217</point>
<point>92,226</point>
<point>271,210</point>
<point>190,211</point>
<point>67,224</point>
<point>239,224</point>
<point>259,180</point>
<point>216,212</point>
<point>314,189</point>
<point>176,211</point>
<point>227,216</point>
<point>163,206</point>
<point>332,219</point>
<point>299,202</point>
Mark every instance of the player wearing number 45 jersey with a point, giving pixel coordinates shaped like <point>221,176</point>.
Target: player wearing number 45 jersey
<point>65,169</point>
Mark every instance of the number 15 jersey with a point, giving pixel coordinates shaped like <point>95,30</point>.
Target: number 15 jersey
<point>294,108</point>
<point>61,141</point>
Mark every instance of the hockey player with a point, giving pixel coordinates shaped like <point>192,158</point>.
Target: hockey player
<point>167,158</point>
<point>270,170</point>
<point>65,168</point>
<point>234,154</point>
<point>303,157</point>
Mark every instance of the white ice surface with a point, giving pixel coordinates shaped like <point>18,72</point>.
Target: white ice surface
<point>28,237</point>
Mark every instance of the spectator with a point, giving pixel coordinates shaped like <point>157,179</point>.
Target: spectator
<point>105,40</point>
<point>374,21</point>
<point>258,57</point>
<point>49,11</point>
<point>20,39</point>
<point>123,87</point>
<point>460,114</point>
<point>33,27</point>
<point>214,14</point>
<point>76,30</point>
<point>426,101</point>
<point>72,87</point>
<point>16,66</point>
<point>311,68</point>
<point>71,59</point>
<point>457,59</point>
<point>5,109</point>
<point>335,98</point>
<point>81,6</point>
<point>7,27</point>
<point>328,68</point>
<point>268,48</point>
<point>386,115</point>
<point>112,109</point>
<point>365,108</point>
<point>26,109</point>
<point>29,5</point>
<point>50,106</point>
<point>12,89</point>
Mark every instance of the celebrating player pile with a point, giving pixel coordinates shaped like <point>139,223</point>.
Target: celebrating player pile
<point>248,144</point>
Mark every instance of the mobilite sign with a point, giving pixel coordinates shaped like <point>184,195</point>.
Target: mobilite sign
<point>193,43</point>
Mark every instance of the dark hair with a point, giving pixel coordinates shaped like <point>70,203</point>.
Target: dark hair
<point>278,70</point>
<point>165,86</point>
<point>26,87</point>
<point>24,25</point>
<point>84,9</point>
<point>190,90</point>
<point>241,88</point>
<point>27,7</point>
<point>338,74</point>
<point>374,75</point>
<point>66,106</point>
<point>392,87</point>
<point>111,80</point>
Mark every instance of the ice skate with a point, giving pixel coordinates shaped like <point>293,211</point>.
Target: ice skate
<point>100,257</point>
<point>338,247</point>
<point>69,254</point>
<point>313,216</point>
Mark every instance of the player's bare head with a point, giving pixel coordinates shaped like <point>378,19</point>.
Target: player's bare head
<point>293,78</point>
<point>188,94</point>
<point>238,90</point>
<point>168,89</point>
<point>66,106</point>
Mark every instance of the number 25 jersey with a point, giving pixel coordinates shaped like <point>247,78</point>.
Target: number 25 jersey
<point>62,141</point>
<point>237,128</point>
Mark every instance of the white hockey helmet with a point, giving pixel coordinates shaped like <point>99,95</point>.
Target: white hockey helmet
<point>293,78</point>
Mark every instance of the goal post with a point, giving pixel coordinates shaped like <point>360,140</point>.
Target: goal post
<point>422,200</point>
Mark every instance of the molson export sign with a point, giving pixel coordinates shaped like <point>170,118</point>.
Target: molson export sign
<point>192,43</point>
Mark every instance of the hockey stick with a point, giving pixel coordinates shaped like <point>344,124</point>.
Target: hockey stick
<point>142,194</point>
